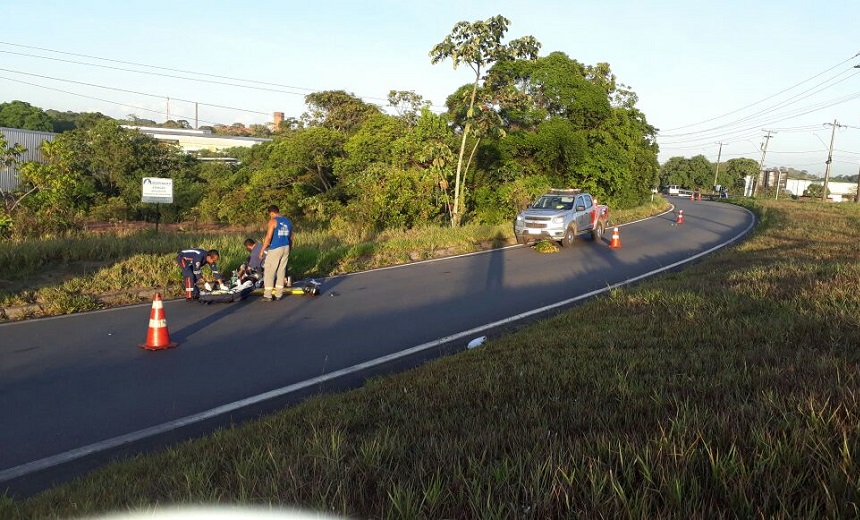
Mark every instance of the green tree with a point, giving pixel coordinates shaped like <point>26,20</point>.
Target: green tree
<point>815,191</point>
<point>18,114</point>
<point>736,171</point>
<point>577,126</point>
<point>9,156</point>
<point>337,110</point>
<point>55,192</point>
<point>372,143</point>
<point>407,104</point>
<point>696,172</point>
<point>99,169</point>
<point>301,162</point>
<point>478,45</point>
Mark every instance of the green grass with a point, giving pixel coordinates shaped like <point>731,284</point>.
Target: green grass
<point>731,389</point>
<point>63,276</point>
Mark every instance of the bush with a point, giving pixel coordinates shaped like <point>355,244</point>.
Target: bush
<point>815,191</point>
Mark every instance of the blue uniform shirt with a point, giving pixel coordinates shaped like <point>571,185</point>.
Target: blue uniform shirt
<point>282,236</point>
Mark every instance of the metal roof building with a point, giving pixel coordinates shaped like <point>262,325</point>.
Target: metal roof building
<point>195,140</point>
<point>29,139</point>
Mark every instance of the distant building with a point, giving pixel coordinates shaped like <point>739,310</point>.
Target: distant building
<point>195,140</point>
<point>31,140</point>
<point>839,191</point>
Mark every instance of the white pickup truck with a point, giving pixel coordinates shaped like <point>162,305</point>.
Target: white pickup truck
<point>562,215</point>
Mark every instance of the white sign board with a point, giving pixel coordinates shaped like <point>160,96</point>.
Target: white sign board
<point>158,190</point>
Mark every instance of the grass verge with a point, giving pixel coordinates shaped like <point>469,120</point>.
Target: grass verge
<point>68,275</point>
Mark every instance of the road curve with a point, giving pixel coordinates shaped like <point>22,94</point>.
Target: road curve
<point>76,387</point>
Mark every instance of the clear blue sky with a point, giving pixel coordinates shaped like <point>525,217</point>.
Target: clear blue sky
<point>687,61</point>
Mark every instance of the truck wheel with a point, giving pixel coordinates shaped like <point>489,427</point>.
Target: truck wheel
<point>597,232</point>
<point>569,236</point>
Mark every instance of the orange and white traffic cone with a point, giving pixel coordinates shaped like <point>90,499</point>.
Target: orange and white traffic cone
<point>692,196</point>
<point>680,219</point>
<point>615,243</point>
<point>157,337</point>
<point>699,196</point>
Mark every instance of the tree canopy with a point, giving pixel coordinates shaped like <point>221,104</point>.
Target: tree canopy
<point>523,124</point>
<point>18,114</point>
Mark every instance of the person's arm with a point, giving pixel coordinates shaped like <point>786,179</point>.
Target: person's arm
<point>270,232</point>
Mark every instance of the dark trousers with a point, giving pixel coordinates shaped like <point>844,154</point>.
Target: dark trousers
<point>191,290</point>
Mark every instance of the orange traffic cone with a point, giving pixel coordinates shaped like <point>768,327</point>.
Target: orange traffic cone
<point>699,196</point>
<point>680,219</point>
<point>692,196</point>
<point>615,243</point>
<point>157,337</point>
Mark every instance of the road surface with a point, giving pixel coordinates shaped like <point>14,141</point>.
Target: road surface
<point>75,390</point>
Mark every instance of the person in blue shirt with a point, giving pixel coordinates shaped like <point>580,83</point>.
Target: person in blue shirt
<point>276,246</point>
<point>191,262</point>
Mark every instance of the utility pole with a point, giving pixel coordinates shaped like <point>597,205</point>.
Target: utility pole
<point>763,155</point>
<point>196,120</point>
<point>834,124</point>
<point>168,110</point>
<point>779,178</point>
<point>717,169</point>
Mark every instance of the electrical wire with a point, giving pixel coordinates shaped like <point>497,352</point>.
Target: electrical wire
<point>797,97</point>
<point>180,116</point>
<point>217,77</point>
<point>136,92</point>
<point>761,100</point>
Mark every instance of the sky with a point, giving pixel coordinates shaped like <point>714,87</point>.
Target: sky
<point>705,72</point>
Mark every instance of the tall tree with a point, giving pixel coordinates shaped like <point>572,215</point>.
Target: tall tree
<point>737,169</point>
<point>479,45</point>
<point>407,104</point>
<point>337,110</point>
<point>18,114</point>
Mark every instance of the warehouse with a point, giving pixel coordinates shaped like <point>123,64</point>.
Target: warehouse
<point>29,139</point>
<point>196,140</point>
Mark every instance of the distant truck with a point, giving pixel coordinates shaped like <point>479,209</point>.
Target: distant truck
<point>562,215</point>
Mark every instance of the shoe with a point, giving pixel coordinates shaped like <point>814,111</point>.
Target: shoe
<point>266,300</point>
<point>277,298</point>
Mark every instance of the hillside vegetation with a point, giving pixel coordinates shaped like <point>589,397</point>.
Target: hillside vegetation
<point>729,389</point>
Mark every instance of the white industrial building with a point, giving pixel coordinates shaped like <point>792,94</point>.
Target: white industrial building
<point>839,191</point>
<point>32,141</point>
<point>195,140</point>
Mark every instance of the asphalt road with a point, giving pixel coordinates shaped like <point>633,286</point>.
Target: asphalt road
<point>71,386</point>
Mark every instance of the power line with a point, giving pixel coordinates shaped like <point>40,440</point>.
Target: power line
<point>110,67</point>
<point>761,100</point>
<point>137,64</point>
<point>788,115</point>
<point>135,92</point>
<point>187,118</point>
<point>782,104</point>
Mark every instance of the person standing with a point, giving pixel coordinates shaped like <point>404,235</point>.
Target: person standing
<point>276,245</point>
<point>191,262</point>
